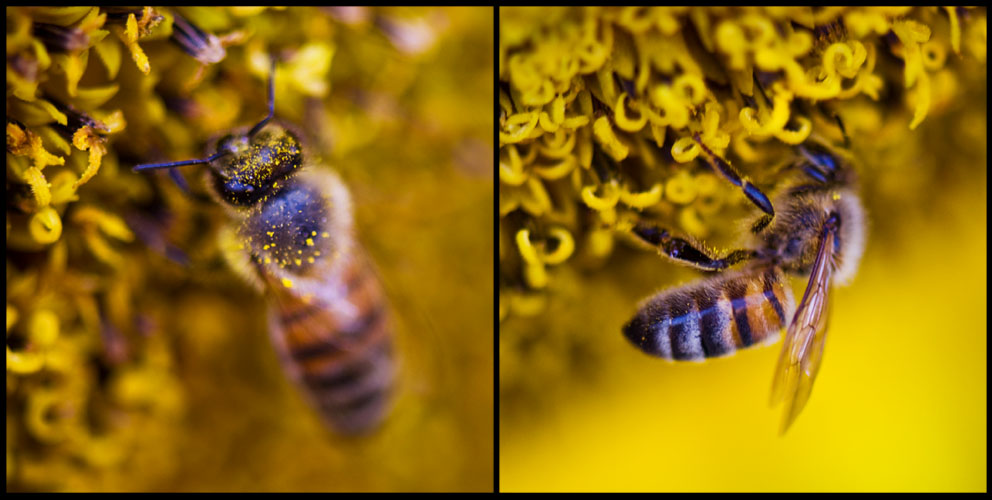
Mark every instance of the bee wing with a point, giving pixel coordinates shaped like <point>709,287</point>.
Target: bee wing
<point>802,350</point>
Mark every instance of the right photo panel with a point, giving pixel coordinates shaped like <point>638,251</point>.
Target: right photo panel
<point>742,249</point>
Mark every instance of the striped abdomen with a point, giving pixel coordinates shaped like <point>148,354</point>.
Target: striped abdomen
<point>713,317</point>
<point>341,354</point>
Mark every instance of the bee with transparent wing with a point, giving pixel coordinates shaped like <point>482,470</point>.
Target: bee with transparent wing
<point>814,229</point>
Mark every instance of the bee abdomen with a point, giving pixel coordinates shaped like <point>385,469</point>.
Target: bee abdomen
<point>714,317</point>
<point>343,362</point>
<point>352,394</point>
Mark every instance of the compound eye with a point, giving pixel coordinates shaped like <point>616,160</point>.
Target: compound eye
<point>237,192</point>
<point>224,144</point>
<point>232,144</point>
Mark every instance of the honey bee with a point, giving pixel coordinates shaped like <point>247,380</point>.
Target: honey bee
<point>290,234</point>
<point>818,232</point>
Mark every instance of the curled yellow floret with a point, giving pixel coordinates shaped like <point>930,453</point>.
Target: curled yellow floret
<point>912,34</point>
<point>21,142</point>
<point>527,249</point>
<point>952,14</point>
<point>764,124</point>
<point>526,304</point>
<point>681,189</point>
<point>518,127</point>
<point>43,327</point>
<point>566,245</point>
<point>511,171</point>
<point>600,242</point>
<point>607,201</point>
<point>536,275</point>
<point>558,144</point>
<point>536,199</point>
<point>24,362</point>
<point>45,226</point>
<point>557,171</point>
<point>558,110</point>
<point>798,136</point>
<point>730,39</point>
<point>844,59</point>
<point>691,88</point>
<point>672,109</point>
<point>86,139</point>
<point>685,150</point>
<point>709,197</point>
<point>546,123</point>
<point>624,121</point>
<point>130,38</point>
<point>49,416</point>
<point>608,139</point>
<point>110,224</point>
<point>644,199</point>
<point>40,187</point>
<point>690,220</point>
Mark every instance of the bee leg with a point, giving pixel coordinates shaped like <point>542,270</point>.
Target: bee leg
<point>761,224</point>
<point>820,165</point>
<point>685,252</point>
<point>180,181</point>
<point>843,131</point>
<point>840,124</point>
<point>152,232</point>
<point>725,169</point>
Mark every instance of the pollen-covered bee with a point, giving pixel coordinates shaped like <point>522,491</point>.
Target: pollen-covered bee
<point>814,229</point>
<point>291,236</point>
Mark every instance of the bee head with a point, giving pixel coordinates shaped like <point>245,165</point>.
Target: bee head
<point>246,167</point>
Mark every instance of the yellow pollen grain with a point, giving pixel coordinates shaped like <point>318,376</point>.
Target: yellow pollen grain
<point>268,260</point>
<point>309,242</point>
<point>310,260</point>
<point>313,233</point>
<point>325,234</point>
<point>298,262</point>
<point>270,233</point>
<point>288,283</point>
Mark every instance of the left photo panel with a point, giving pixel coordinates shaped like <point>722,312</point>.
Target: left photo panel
<point>250,249</point>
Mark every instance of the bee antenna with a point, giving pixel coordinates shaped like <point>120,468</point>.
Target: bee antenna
<point>153,166</point>
<point>272,101</point>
